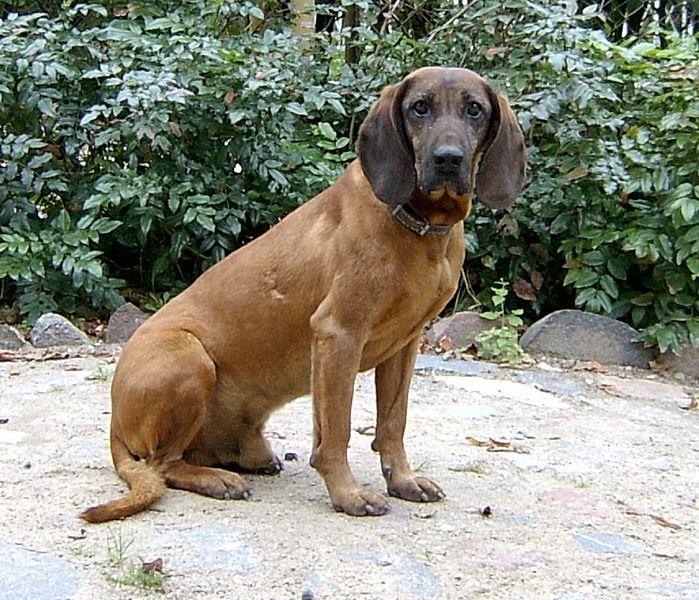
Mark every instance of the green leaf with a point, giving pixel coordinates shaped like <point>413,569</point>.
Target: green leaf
<point>47,107</point>
<point>327,131</point>
<point>296,108</point>
<point>206,222</point>
<point>257,13</point>
<point>693,266</point>
<point>617,267</point>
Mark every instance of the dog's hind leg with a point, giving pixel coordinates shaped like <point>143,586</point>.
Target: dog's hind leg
<point>161,396</point>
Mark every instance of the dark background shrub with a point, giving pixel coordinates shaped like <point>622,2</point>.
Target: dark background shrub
<point>142,142</point>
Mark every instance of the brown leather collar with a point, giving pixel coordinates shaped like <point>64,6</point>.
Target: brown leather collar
<point>417,224</point>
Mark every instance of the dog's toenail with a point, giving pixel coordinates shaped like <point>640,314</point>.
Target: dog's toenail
<point>424,497</point>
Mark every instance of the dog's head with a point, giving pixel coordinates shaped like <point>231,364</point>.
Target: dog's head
<point>445,134</point>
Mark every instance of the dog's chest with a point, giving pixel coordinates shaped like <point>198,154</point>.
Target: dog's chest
<point>415,300</point>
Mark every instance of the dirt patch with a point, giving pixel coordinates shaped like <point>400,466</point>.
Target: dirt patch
<point>595,497</point>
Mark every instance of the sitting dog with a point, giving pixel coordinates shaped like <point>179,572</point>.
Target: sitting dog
<point>343,284</point>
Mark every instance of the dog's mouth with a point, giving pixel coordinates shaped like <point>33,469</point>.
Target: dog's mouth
<point>446,192</point>
<point>447,197</point>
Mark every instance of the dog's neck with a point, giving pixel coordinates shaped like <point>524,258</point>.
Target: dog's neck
<point>406,216</point>
<point>424,215</point>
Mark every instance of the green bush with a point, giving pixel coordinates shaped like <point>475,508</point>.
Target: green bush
<point>142,145</point>
<point>613,193</point>
<point>141,142</point>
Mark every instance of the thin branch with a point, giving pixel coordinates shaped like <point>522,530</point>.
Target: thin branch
<point>448,22</point>
<point>391,12</point>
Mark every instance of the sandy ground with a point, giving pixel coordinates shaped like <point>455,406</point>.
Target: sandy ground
<point>596,496</point>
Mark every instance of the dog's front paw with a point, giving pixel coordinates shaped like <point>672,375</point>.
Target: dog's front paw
<point>415,489</point>
<point>360,502</point>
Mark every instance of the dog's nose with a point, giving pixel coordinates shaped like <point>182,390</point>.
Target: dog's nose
<point>448,159</point>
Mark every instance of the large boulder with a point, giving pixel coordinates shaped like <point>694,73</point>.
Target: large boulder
<point>124,321</point>
<point>578,335</point>
<point>461,328</point>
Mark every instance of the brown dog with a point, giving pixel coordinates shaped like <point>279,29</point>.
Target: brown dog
<point>344,284</point>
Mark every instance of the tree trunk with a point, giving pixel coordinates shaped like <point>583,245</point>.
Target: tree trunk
<point>351,20</point>
<point>304,16</point>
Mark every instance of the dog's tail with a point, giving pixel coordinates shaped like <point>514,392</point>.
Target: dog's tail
<point>146,486</point>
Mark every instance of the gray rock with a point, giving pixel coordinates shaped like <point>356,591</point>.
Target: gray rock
<point>430,362</point>
<point>10,338</point>
<point>122,324</point>
<point>562,386</point>
<point>585,336</point>
<point>608,543</point>
<point>687,361</point>
<point>54,330</point>
<point>36,576</point>
<point>462,328</point>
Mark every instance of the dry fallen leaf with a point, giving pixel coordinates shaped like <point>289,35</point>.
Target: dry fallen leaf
<point>523,289</point>
<point>475,442</point>
<point>153,566</point>
<point>445,344</point>
<point>499,444</point>
<point>81,536</point>
<point>657,366</point>
<point>589,365</point>
<point>424,346</point>
<point>659,520</point>
<point>612,390</point>
<point>492,445</point>
<point>368,430</point>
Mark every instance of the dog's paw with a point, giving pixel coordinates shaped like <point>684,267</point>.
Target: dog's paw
<point>227,486</point>
<point>360,502</point>
<point>273,467</point>
<point>415,489</point>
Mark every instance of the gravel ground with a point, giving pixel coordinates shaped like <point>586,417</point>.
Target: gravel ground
<point>590,490</point>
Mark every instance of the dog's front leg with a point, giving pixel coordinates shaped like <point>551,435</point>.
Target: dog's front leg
<point>336,355</point>
<point>392,379</point>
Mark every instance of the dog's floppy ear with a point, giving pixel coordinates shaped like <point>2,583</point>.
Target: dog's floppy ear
<point>383,150</point>
<point>500,175</point>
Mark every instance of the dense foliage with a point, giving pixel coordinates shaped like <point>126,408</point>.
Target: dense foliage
<point>141,142</point>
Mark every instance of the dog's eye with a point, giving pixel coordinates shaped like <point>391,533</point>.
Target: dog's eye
<point>474,110</point>
<point>420,108</point>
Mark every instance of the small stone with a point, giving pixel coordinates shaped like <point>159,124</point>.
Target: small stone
<point>685,362</point>
<point>10,338</point>
<point>54,330</point>
<point>27,465</point>
<point>291,456</point>
<point>307,595</point>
